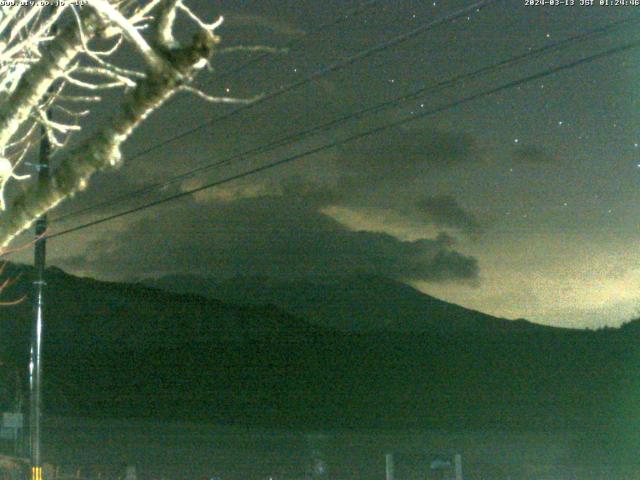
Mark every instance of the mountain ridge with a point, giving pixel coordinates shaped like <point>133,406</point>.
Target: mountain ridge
<point>352,303</point>
<point>129,350</point>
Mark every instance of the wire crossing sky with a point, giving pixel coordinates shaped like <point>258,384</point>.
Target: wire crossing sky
<point>366,133</point>
<point>396,102</point>
<point>491,161</point>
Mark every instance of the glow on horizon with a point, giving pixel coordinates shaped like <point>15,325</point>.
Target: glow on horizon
<point>566,280</point>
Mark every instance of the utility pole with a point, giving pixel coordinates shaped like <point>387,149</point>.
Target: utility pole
<point>457,462</point>
<point>389,470</point>
<point>39,283</point>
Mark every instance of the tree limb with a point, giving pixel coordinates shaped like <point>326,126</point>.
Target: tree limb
<point>37,80</point>
<point>103,149</point>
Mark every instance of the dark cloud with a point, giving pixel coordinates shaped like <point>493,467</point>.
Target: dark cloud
<point>532,154</point>
<point>279,236</point>
<point>401,153</point>
<point>315,195</point>
<point>445,211</point>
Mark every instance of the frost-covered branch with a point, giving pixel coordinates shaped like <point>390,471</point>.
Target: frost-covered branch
<point>214,99</point>
<point>129,30</point>
<point>28,87</point>
<point>63,60</point>
<point>173,68</point>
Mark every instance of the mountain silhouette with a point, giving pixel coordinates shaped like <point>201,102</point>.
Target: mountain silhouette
<point>132,350</point>
<point>353,303</point>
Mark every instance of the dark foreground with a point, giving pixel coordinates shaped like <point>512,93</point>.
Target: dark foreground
<point>177,450</point>
<point>567,401</point>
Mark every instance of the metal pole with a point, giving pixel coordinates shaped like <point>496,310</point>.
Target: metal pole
<point>388,460</point>
<point>457,460</point>
<point>39,283</point>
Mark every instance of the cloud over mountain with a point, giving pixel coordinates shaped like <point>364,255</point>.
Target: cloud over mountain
<point>276,235</point>
<point>445,211</point>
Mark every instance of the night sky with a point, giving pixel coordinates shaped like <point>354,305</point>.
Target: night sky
<point>521,204</point>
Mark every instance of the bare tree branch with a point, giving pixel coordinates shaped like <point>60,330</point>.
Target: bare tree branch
<point>37,80</point>
<point>214,99</point>
<point>129,30</point>
<point>41,69</point>
<point>102,150</point>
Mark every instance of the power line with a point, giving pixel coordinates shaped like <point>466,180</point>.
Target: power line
<point>290,45</point>
<point>366,133</point>
<point>323,72</point>
<point>298,40</point>
<point>297,136</point>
